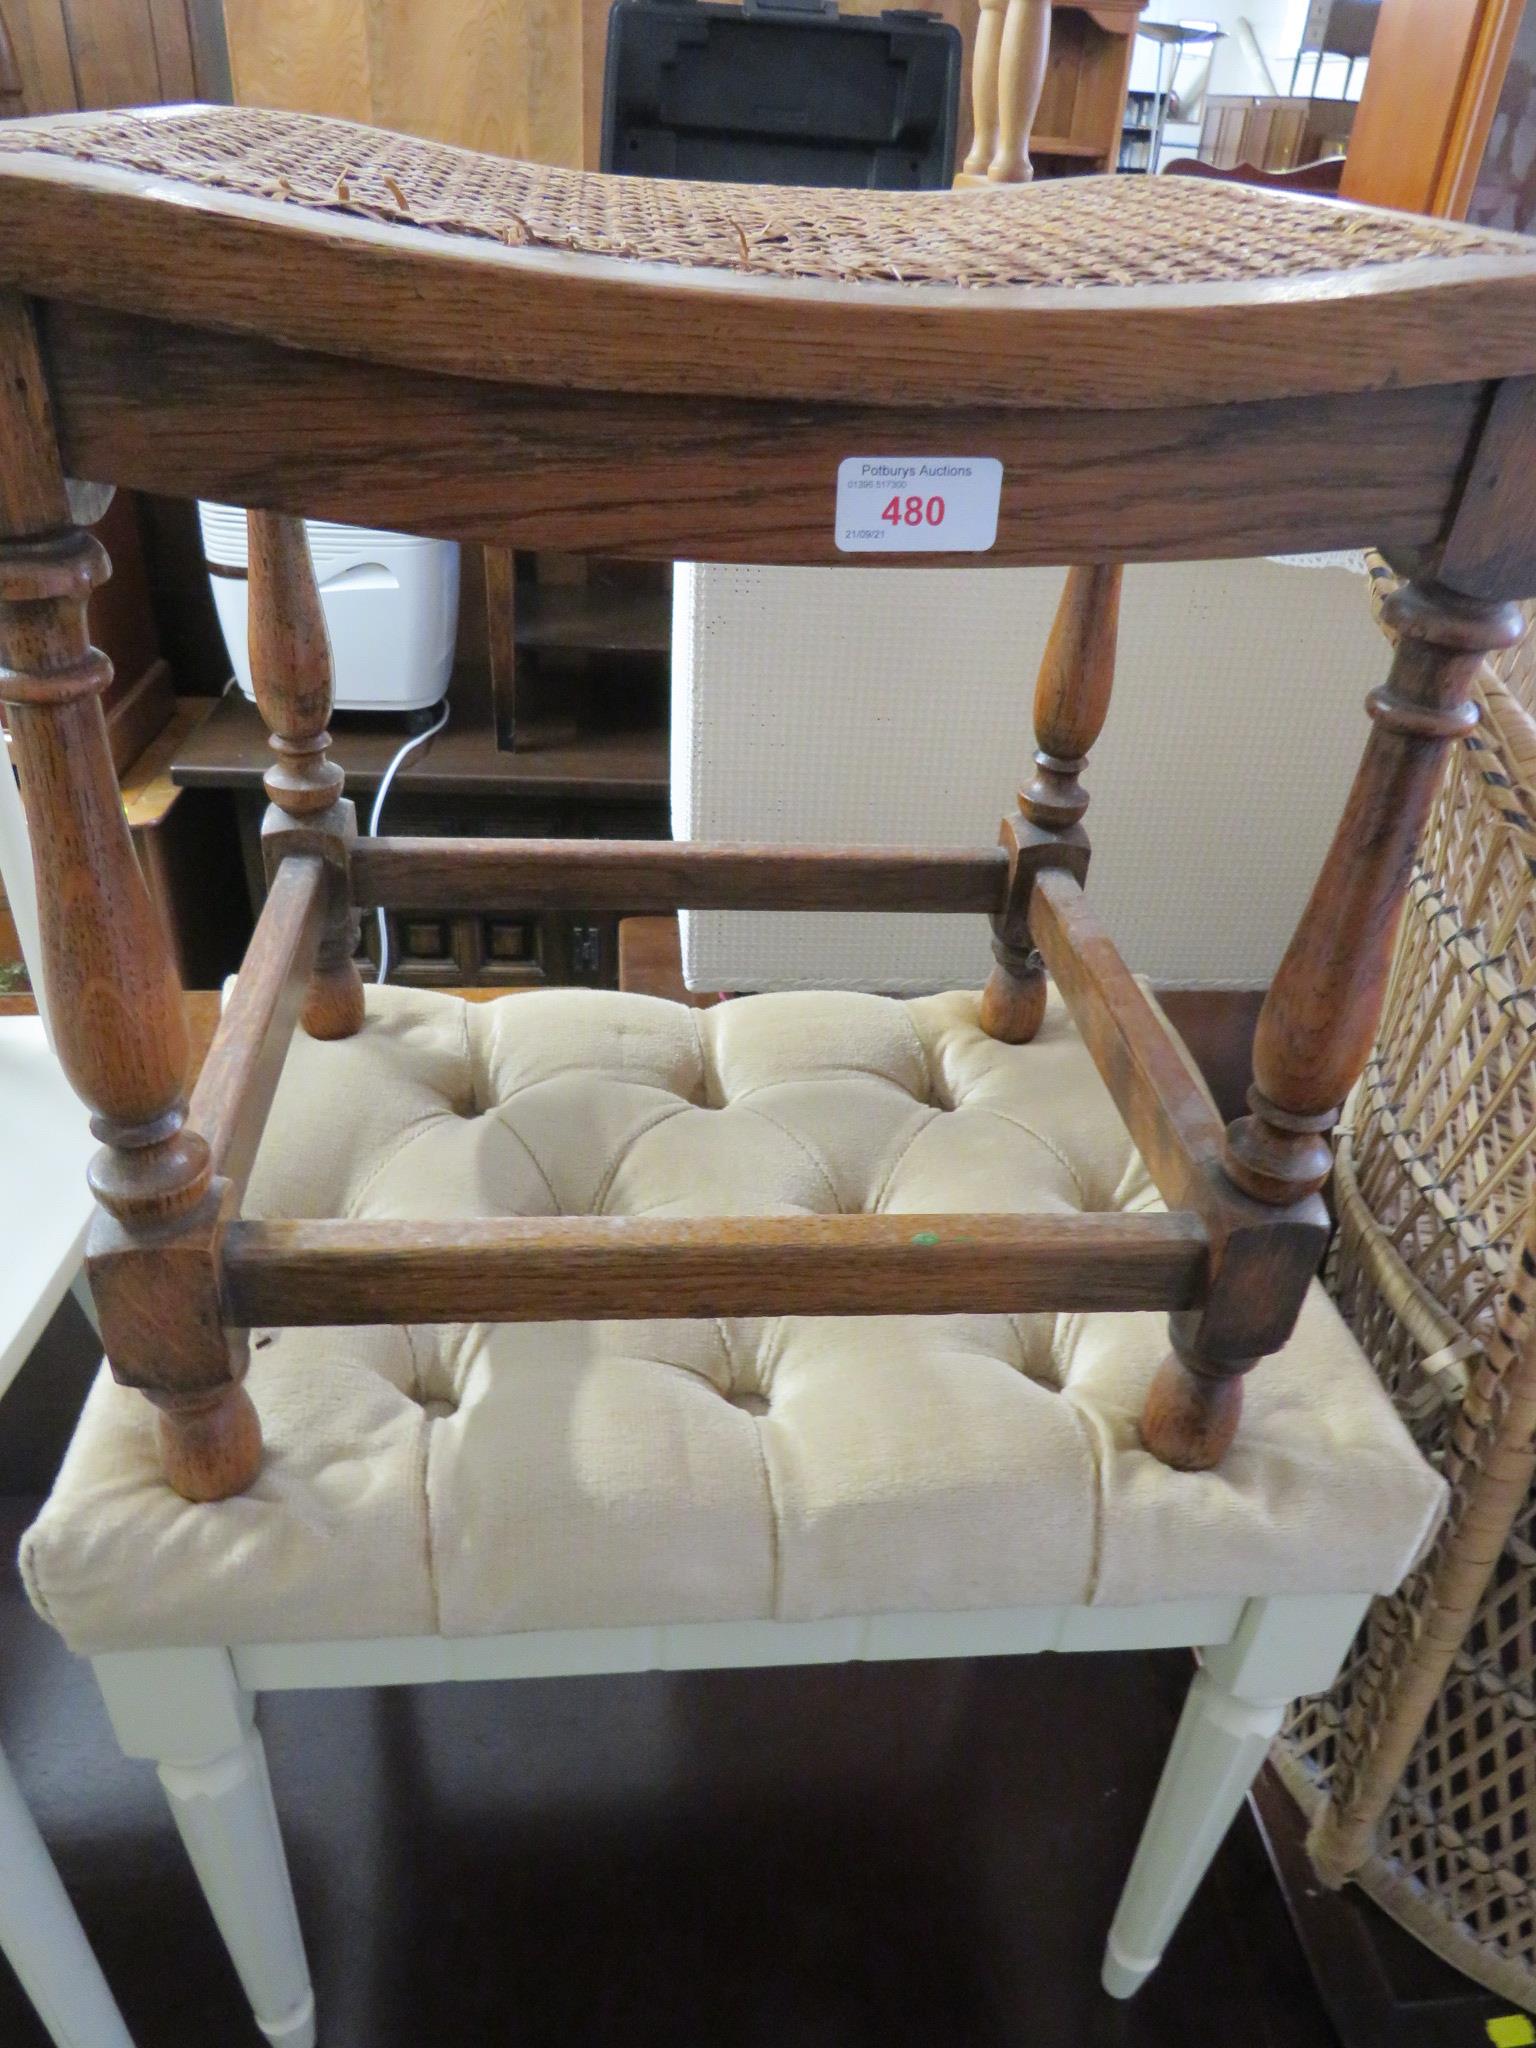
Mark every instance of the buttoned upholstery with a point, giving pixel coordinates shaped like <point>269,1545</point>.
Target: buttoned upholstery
<point>477,1479</point>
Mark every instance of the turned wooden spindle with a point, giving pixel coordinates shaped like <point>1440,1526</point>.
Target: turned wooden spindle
<point>117,1010</point>
<point>291,676</point>
<point>1008,65</point>
<point>1319,1018</point>
<point>985,54</point>
<point>1072,695</point>
<point>1192,1410</point>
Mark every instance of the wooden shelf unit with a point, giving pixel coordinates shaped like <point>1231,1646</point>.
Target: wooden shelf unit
<point>610,781</point>
<point>1078,125</point>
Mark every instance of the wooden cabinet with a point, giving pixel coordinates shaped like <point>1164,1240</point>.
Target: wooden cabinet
<point>1082,109</point>
<point>1273,132</point>
<point>60,55</point>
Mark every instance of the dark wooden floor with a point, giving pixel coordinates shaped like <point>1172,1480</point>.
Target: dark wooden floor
<point>898,1856</point>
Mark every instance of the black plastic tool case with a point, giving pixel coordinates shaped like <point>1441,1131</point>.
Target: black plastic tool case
<point>780,92</point>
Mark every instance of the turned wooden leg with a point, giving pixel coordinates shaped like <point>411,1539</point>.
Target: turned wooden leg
<point>1008,66</point>
<point>985,53</point>
<point>116,1010</point>
<point>1320,1016</point>
<point>1072,696</point>
<point>1013,1001</point>
<point>210,1445</point>
<point>118,1022</point>
<point>292,679</point>
<point>1022,58</point>
<point>1192,1411</point>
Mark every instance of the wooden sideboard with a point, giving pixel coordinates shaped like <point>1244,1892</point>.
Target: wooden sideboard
<point>1273,132</point>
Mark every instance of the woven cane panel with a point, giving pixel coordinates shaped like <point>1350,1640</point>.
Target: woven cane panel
<point>1435,1273</point>
<point>1445,1134</point>
<point>1060,232</point>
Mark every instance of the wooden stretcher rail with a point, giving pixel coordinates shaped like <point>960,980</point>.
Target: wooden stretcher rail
<point>1173,1121</point>
<point>565,1269</point>
<point>649,876</point>
<point>1261,1255</point>
<point>239,1078</point>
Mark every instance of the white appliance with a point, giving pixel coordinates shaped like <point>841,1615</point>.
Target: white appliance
<point>391,607</point>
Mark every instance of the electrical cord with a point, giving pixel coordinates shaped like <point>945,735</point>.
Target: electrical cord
<point>416,740</point>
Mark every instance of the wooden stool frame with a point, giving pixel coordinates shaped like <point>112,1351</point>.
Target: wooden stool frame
<point>301,361</point>
<point>1426,465</point>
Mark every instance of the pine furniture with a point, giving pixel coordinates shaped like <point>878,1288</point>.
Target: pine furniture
<point>1428,104</point>
<point>804,1327</point>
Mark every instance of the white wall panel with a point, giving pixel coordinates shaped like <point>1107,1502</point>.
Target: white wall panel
<point>889,707</point>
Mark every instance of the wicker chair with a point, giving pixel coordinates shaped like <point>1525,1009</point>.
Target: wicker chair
<point>1417,1766</point>
<point>595,1332</point>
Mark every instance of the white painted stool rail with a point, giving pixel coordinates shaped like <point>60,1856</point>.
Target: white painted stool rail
<point>191,1713</point>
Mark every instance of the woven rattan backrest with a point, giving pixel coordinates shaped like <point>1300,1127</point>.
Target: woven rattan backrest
<point>1418,1765</point>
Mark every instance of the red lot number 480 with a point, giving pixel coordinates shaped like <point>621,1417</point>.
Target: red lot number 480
<point>913,511</point>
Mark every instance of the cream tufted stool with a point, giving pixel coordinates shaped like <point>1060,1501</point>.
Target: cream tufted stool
<point>481,1479</point>
<point>581,1333</point>
<point>503,1499</point>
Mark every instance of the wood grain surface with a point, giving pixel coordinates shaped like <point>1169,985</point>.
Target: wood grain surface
<point>464,306</point>
<point>688,477</point>
<point>571,1269</point>
<point>244,1062</point>
<point>649,875</point>
<point>32,497</point>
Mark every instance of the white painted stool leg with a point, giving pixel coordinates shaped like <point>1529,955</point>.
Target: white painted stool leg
<point>1216,1754</point>
<point>228,1822</point>
<point>41,1938</point>
<point>185,1709</point>
<point>1282,1649</point>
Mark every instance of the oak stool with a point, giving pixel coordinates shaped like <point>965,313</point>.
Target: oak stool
<point>597,1333</point>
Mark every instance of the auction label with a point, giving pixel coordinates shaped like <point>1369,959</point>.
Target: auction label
<point>920,504</point>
